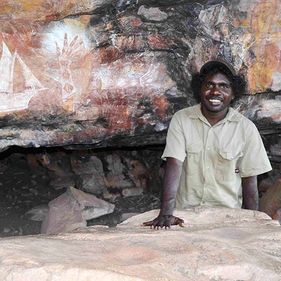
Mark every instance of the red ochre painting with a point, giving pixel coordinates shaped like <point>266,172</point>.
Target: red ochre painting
<point>63,70</point>
<point>115,74</point>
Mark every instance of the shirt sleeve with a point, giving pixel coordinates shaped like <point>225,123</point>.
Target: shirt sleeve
<point>254,161</point>
<point>175,141</point>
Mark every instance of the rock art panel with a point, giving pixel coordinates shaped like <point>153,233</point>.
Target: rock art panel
<point>12,96</point>
<point>92,72</point>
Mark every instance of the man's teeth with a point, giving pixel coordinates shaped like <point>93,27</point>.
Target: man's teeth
<point>215,102</point>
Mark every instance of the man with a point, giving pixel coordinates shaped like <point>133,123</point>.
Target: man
<point>213,153</point>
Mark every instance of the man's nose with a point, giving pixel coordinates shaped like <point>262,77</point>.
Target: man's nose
<point>216,89</point>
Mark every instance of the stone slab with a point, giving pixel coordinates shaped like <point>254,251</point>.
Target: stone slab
<point>215,244</point>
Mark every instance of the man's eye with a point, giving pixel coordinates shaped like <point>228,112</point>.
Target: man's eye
<point>209,85</point>
<point>224,86</point>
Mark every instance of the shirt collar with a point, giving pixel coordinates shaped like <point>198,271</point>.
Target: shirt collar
<point>232,115</point>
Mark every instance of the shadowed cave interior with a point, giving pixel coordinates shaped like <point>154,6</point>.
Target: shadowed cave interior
<point>31,178</point>
<point>128,178</point>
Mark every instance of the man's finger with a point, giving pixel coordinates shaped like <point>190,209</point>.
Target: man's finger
<point>178,221</point>
<point>147,223</point>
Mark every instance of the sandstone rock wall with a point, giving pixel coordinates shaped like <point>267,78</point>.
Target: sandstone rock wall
<point>110,73</point>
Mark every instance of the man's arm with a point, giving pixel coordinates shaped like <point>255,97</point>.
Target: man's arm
<point>170,186</point>
<point>250,193</point>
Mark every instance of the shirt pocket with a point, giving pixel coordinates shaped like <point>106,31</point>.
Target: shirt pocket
<point>194,152</point>
<point>228,164</point>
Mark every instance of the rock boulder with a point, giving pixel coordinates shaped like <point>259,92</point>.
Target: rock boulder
<point>214,244</point>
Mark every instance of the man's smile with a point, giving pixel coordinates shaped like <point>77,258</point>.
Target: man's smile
<point>215,101</point>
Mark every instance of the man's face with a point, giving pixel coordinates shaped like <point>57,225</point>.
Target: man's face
<point>216,93</point>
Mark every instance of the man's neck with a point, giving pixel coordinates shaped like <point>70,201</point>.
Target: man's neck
<point>214,117</point>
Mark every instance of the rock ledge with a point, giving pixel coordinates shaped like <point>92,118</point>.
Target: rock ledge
<point>215,244</point>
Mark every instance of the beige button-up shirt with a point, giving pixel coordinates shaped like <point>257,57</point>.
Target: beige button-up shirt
<point>215,157</point>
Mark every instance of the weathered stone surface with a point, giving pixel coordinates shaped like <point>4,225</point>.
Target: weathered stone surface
<point>71,210</point>
<point>40,10</point>
<point>264,109</point>
<point>270,202</point>
<point>215,244</point>
<point>111,73</point>
<point>37,213</point>
<point>91,173</point>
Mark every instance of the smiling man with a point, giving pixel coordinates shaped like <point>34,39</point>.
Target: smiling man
<point>213,153</point>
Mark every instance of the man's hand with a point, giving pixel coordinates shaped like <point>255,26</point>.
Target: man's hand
<point>164,221</point>
<point>170,185</point>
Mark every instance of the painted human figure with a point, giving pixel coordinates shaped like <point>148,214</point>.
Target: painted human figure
<point>213,153</point>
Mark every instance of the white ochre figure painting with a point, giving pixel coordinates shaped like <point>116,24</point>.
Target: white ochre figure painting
<point>14,98</point>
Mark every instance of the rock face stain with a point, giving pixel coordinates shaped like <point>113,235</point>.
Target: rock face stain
<point>264,23</point>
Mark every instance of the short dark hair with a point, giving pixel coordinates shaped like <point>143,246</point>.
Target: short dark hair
<point>237,82</point>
